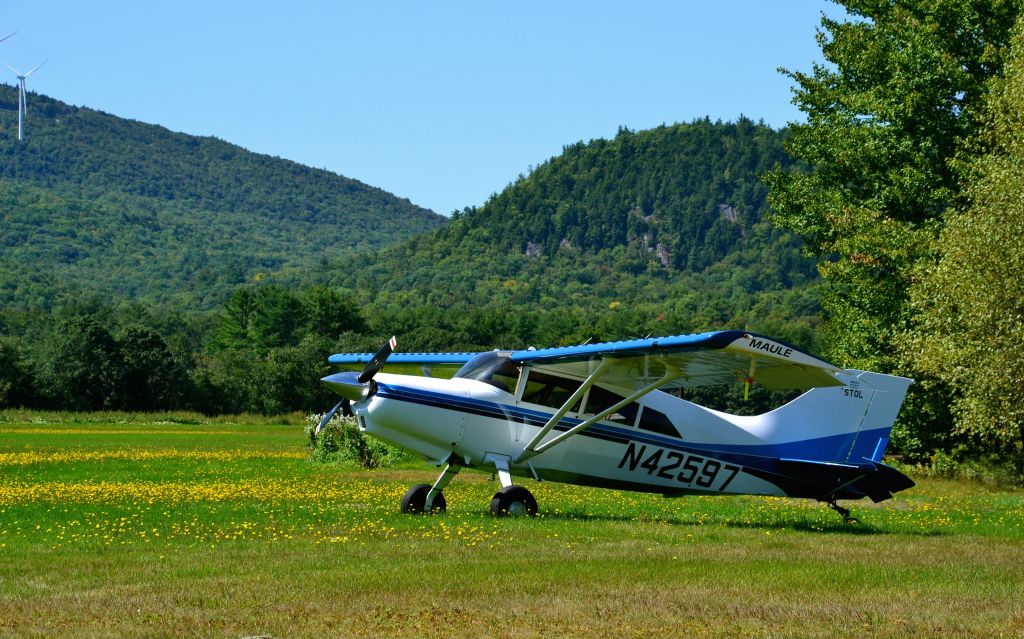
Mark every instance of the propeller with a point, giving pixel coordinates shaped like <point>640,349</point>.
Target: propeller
<point>378,361</point>
<point>354,387</point>
<point>328,416</point>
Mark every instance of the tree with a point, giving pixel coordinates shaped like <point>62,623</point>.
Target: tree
<point>279,318</point>
<point>85,370</point>
<point>970,304</point>
<point>291,378</point>
<point>261,318</point>
<point>234,319</point>
<point>15,376</point>
<point>153,378</point>
<point>330,313</point>
<point>887,122</point>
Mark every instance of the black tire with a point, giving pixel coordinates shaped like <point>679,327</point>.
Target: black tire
<point>515,501</point>
<point>414,499</point>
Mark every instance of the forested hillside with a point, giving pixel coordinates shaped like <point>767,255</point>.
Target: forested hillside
<point>93,204</point>
<point>657,231</point>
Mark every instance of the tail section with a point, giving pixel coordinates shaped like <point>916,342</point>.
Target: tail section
<point>888,395</point>
<point>847,424</point>
<point>830,441</point>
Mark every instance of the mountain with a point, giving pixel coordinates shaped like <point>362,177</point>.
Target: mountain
<point>96,205</point>
<point>659,231</point>
<point>652,232</point>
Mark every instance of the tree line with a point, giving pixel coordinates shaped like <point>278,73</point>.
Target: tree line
<point>265,350</point>
<point>912,207</point>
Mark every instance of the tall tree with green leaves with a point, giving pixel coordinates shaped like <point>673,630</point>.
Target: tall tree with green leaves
<point>152,379</point>
<point>15,376</point>
<point>970,304</point>
<point>85,370</point>
<point>330,313</point>
<point>889,118</point>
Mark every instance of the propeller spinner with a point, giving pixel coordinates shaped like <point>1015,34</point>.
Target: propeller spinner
<point>354,387</point>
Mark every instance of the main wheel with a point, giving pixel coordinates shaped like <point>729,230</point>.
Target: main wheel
<point>515,501</point>
<point>414,500</point>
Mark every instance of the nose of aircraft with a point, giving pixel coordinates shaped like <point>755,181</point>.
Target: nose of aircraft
<point>347,385</point>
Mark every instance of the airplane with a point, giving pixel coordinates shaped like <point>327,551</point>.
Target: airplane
<point>603,415</point>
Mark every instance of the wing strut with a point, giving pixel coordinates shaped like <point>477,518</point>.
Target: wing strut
<point>535,447</point>
<point>528,450</point>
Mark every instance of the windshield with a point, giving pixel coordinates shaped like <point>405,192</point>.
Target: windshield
<point>493,367</point>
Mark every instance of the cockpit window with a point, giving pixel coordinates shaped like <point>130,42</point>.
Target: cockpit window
<point>657,422</point>
<point>495,368</point>
<point>548,390</point>
<point>599,399</point>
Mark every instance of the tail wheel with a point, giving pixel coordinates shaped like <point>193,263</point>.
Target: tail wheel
<point>415,499</point>
<point>515,501</point>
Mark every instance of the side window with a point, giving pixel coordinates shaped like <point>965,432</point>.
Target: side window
<point>599,399</point>
<point>657,422</point>
<point>548,390</point>
<point>503,378</point>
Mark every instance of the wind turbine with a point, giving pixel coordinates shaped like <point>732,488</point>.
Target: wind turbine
<point>22,106</point>
<point>7,36</point>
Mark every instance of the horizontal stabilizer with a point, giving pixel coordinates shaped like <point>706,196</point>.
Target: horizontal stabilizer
<point>827,480</point>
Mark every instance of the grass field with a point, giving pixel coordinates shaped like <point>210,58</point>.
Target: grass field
<point>224,530</point>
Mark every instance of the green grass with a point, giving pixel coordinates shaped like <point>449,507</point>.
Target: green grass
<point>127,528</point>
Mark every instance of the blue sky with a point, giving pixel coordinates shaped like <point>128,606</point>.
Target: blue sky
<point>440,102</point>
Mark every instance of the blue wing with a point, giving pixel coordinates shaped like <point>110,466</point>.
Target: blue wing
<point>721,357</point>
<point>704,359</point>
<point>429,364</point>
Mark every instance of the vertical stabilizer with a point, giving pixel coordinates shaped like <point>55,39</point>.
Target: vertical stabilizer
<point>837,424</point>
<point>889,392</point>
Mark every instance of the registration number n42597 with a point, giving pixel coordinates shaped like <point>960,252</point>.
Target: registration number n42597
<point>683,468</point>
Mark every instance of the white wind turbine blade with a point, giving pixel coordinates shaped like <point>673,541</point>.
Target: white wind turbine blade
<point>7,36</point>
<point>24,91</point>
<point>16,72</point>
<point>35,68</point>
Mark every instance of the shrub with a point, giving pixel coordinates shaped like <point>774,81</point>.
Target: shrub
<point>1006,469</point>
<point>341,441</point>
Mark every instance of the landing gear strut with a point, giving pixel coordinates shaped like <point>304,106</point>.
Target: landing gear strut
<point>424,498</point>
<point>844,512</point>
<point>510,500</point>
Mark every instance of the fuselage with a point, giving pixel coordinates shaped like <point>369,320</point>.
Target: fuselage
<point>660,443</point>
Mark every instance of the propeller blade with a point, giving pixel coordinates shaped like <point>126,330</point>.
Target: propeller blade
<point>346,408</point>
<point>7,36</point>
<point>328,416</point>
<point>16,72</point>
<point>378,361</point>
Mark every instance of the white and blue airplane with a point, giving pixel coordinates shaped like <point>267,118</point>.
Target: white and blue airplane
<point>599,415</point>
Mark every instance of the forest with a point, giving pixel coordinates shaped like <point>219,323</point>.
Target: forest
<point>881,233</point>
<point>693,252</point>
<point>99,206</point>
